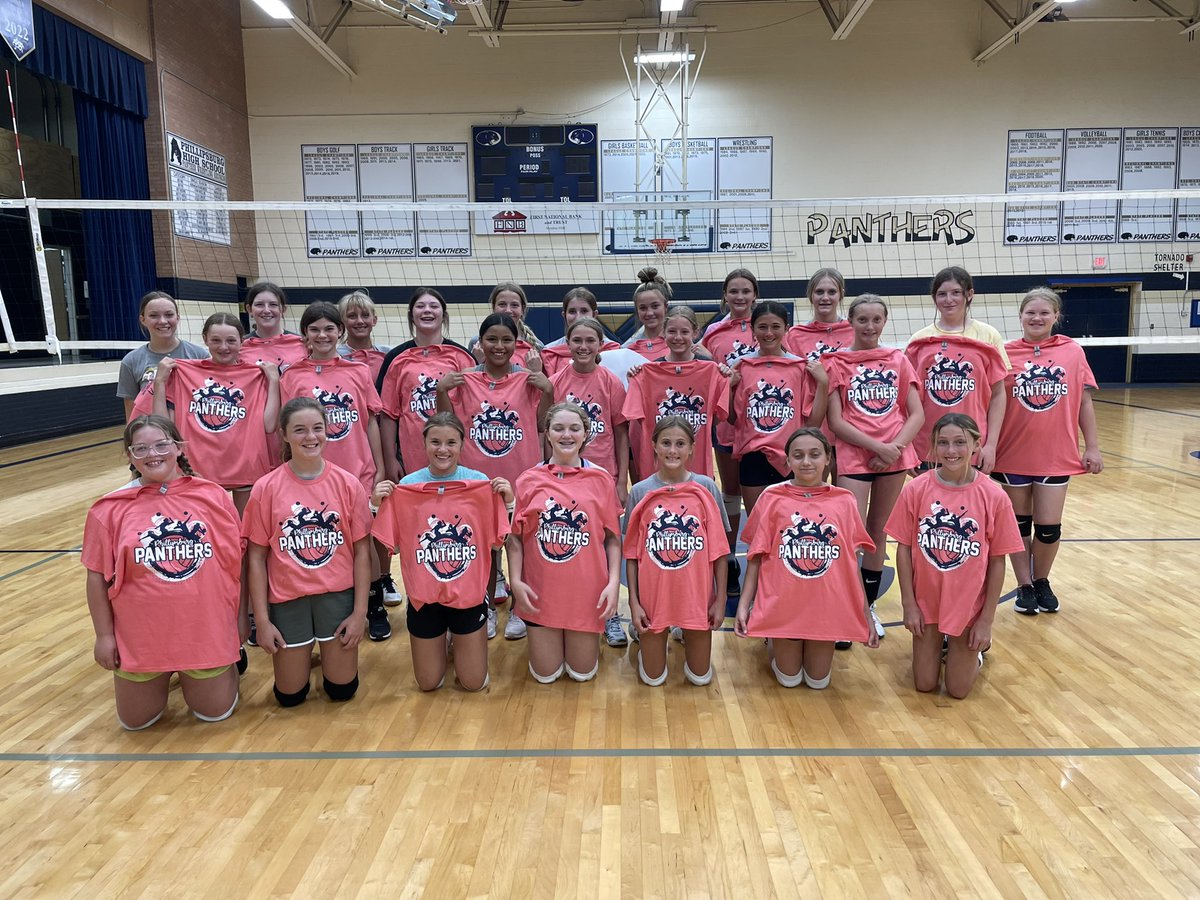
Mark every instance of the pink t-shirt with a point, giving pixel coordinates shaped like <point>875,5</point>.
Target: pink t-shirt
<point>728,341</point>
<point>173,555</point>
<point>809,588</point>
<point>556,357</point>
<point>651,348</point>
<point>501,420</point>
<point>602,396</point>
<point>522,350</point>
<point>371,358</point>
<point>309,529</point>
<point>443,533</point>
<point>219,412</point>
<point>563,516</point>
<point>814,339</point>
<point>873,387</point>
<point>348,394</point>
<point>952,531</point>
<point>1044,389</point>
<point>410,391</point>
<point>695,390</point>
<point>956,376</point>
<point>773,398</point>
<point>283,350</point>
<point>676,534</point>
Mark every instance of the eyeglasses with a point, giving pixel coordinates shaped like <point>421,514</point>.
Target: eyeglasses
<point>141,451</point>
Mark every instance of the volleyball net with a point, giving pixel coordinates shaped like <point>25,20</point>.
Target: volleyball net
<point>73,271</point>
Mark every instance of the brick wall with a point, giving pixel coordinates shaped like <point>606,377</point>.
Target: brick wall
<point>196,84</point>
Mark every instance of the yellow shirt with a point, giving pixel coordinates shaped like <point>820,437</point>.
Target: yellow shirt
<point>976,330</point>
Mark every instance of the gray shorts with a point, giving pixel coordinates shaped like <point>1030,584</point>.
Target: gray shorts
<point>312,618</point>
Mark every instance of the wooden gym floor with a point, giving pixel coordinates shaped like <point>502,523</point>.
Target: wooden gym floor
<point>1073,770</point>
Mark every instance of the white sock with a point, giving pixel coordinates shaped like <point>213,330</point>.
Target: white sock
<point>788,681</point>
<point>547,679</point>
<point>582,676</point>
<point>225,715</point>
<point>142,727</point>
<point>646,679</point>
<point>698,680</point>
<point>817,684</point>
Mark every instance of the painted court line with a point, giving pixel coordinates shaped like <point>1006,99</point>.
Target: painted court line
<point>1157,409</point>
<point>620,753</point>
<point>21,462</point>
<point>34,565</point>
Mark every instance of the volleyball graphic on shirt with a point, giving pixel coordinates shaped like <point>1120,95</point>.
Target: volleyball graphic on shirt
<point>340,414</point>
<point>769,407</point>
<point>311,536</point>
<point>217,407</point>
<point>873,391</point>
<point>689,407</point>
<point>673,537</point>
<point>949,381</point>
<point>422,400</point>
<point>946,538</point>
<point>1038,387</point>
<point>561,532</point>
<point>737,351</point>
<point>496,431</point>
<point>820,349</point>
<point>594,411</point>
<point>808,547</point>
<point>447,549</point>
<point>173,549</point>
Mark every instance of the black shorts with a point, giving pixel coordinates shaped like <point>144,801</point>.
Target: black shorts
<point>1026,480</point>
<point>754,470</point>
<point>433,620</point>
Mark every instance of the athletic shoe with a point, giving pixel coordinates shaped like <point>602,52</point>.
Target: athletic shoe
<point>501,590</point>
<point>842,645</point>
<point>391,596</point>
<point>677,633</point>
<point>1046,601</point>
<point>733,585</point>
<point>378,626</point>
<point>980,659</point>
<point>633,632</point>
<point>614,633</point>
<point>514,628</point>
<point>879,629</point>
<point>491,621</point>
<point>243,661</point>
<point>252,638</point>
<point>945,645</point>
<point>1027,600</point>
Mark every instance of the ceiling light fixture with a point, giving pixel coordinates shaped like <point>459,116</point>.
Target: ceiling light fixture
<point>662,57</point>
<point>276,9</point>
<point>670,6</point>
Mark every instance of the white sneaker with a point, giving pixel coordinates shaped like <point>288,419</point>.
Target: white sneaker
<point>614,632</point>
<point>391,596</point>
<point>514,628</point>
<point>879,629</point>
<point>677,633</point>
<point>501,587</point>
<point>491,621</point>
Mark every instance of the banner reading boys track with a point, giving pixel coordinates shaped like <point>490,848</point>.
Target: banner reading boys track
<point>385,175</point>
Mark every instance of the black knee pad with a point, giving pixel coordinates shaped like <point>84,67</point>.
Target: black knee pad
<point>289,700</point>
<point>1047,534</point>
<point>340,693</point>
<point>1025,525</point>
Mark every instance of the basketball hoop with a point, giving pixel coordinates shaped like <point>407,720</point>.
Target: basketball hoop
<point>663,246</point>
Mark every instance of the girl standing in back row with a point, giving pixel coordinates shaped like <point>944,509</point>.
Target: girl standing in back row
<point>158,315</point>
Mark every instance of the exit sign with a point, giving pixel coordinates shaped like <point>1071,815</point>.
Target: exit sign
<point>1099,262</point>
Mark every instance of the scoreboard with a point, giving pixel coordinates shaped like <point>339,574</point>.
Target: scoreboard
<point>536,163</point>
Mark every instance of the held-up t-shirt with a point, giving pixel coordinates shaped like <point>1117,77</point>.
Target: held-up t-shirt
<point>556,356</point>
<point>813,340</point>
<point>283,350</point>
<point>443,533</point>
<point>956,376</point>
<point>309,529</point>
<point>372,357</point>
<point>172,555</point>
<point>219,412</point>
<point>807,541</point>
<point>501,421</point>
<point>409,393</point>
<point>347,393</point>
<point>676,533</point>
<point>728,341</point>
<point>140,364</point>
<point>563,516</point>
<point>695,390</point>
<point>1044,391</point>
<point>952,531</point>
<point>873,387</point>
<point>602,397</point>
<point>773,397</point>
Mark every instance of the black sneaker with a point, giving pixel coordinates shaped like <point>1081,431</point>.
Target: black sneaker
<point>243,661</point>
<point>1046,601</point>
<point>842,645</point>
<point>378,626</point>
<point>733,585</point>
<point>252,638</point>
<point>1027,600</point>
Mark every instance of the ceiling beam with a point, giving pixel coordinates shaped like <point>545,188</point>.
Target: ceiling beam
<point>852,18</point>
<point>830,14</point>
<point>1016,31</point>
<point>321,47</point>
<point>999,10</point>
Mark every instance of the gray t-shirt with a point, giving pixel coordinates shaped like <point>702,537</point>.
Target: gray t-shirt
<point>638,492</point>
<point>139,365</point>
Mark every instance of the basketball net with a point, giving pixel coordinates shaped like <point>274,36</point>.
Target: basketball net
<point>663,246</point>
